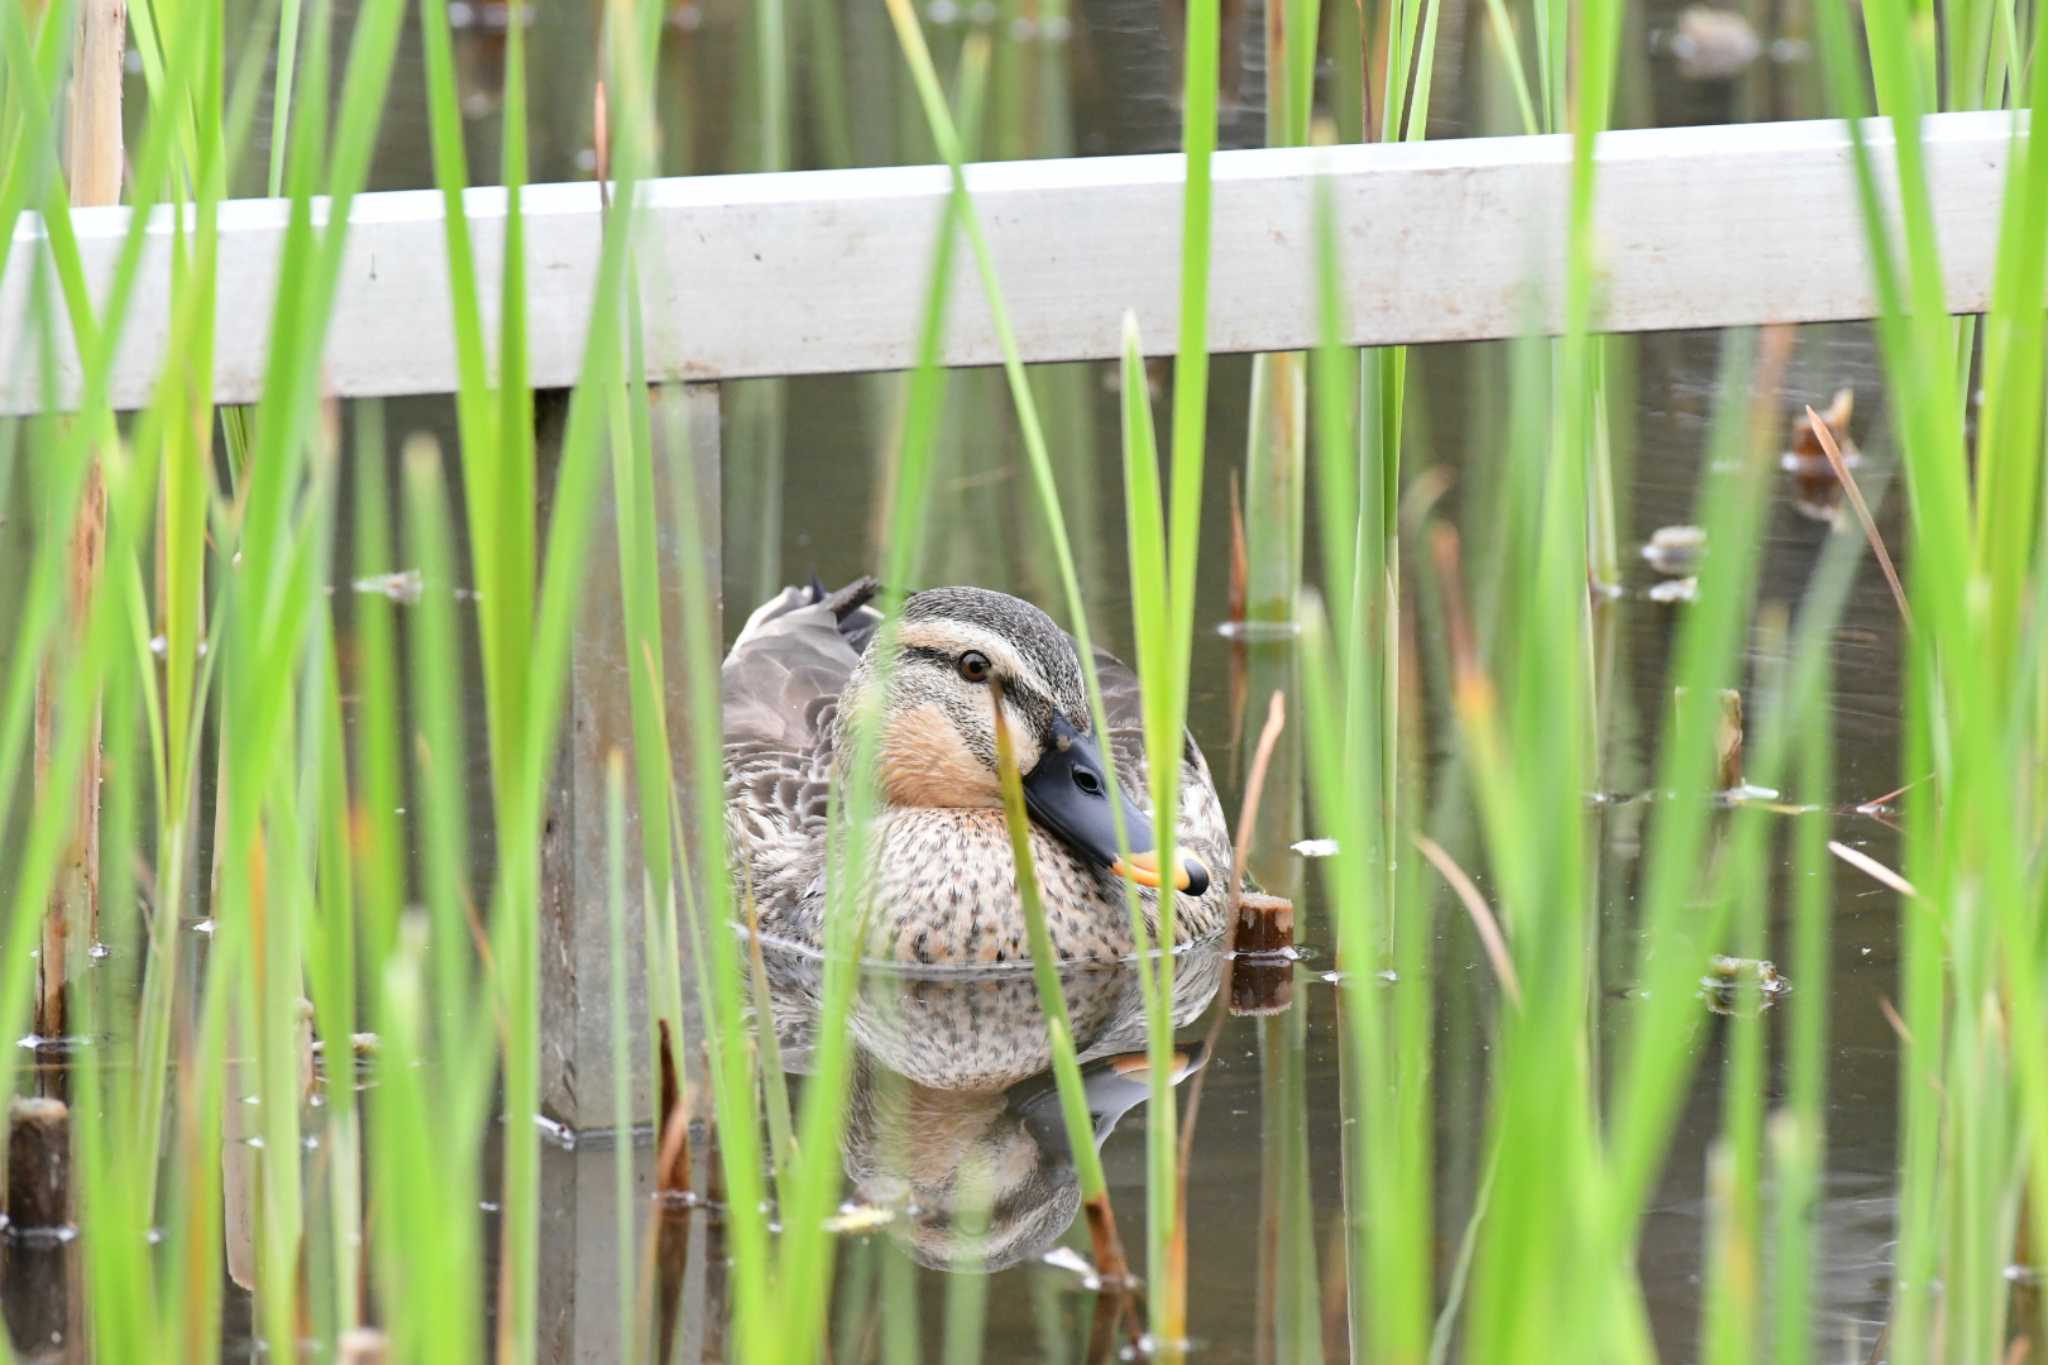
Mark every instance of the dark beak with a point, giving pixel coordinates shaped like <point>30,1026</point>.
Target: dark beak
<point>1069,793</point>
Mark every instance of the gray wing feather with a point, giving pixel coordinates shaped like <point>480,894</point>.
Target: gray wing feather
<point>778,690</point>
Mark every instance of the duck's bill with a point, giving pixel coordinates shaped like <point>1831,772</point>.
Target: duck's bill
<point>1143,868</point>
<point>1069,793</point>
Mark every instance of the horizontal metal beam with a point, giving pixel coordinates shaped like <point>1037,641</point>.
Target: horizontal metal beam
<point>820,272</point>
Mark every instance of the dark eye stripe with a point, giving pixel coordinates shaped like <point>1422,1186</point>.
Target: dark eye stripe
<point>1025,698</point>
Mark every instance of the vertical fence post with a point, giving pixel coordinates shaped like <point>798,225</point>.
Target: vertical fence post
<point>576,979</point>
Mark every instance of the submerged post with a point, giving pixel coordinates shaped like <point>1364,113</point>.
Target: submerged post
<point>577,987</point>
<point>38,1165</point>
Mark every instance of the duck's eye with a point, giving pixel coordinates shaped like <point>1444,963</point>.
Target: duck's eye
<point>974,666</point>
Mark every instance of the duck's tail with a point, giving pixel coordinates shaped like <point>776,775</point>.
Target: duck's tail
<point>848,604</point>
<point>849,607</point>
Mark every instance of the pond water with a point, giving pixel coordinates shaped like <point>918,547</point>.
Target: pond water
<point>1265,1200</point>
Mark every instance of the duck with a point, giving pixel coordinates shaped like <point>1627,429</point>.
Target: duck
<point>943,880</point>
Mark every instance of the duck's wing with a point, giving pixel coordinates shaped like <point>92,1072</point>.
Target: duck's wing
<point>779,689</point>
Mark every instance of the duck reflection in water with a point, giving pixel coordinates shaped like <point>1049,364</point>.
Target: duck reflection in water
<point>953,1122</point>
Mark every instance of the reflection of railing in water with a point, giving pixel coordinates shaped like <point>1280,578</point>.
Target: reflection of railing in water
<point>824,272</point>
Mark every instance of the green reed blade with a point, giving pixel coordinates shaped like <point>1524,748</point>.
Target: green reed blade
<point>708,894</point>
<point>1165,700</point>
<point>1800,1129</point>
<point>1966,839</point>
<point>634,506</point>
<point>1732,1310</point>
<point>966,1312</point>
<point>379,843</point>
<point>1386,1194</point>
<point>1059,1029</point>
<point>281,94</point>
<point>489,455</point>
<point>807,1268</point>
<point>43,592</point>
<point>1508,47</point>
<point>509,594</point>
<point>440,767</point>
<point>945,132</point>
<point>331,956</point>
<point>830,76</point>
<point>1677,939</point>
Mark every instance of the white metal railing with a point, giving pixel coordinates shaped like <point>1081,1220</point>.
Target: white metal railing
<point>819,272</point>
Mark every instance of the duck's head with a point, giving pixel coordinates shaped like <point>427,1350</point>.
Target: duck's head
<point>956,651</point>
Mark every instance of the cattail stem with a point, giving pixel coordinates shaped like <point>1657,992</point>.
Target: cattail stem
<point>672,1164</point>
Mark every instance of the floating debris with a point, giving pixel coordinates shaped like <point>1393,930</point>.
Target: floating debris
<point>1872,868</point>
<point>1339,977</point>
<point>683,1201</point>
<point>944,13</point>
<point>160,646</point>
<point>1730,980</point>
<point>1316,848</point>
<point>1056,29</point>
<point>1727,738</point>
<point>362,1044</point>
<point>1259,632</point>
<point>1158,369</point>
<point>859,1218</point>
<point>1713,44</point>
<point>1673,590</point>
<point>54,1045</point>
<point>1148,1347</point>
<point>404,587</point>
<point>1816,492</point>
<point>1675,551</point>
<point>1728,741</point>
<point>492,16</point>
<point>1074,1263</point>
<point>362,1346</point>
